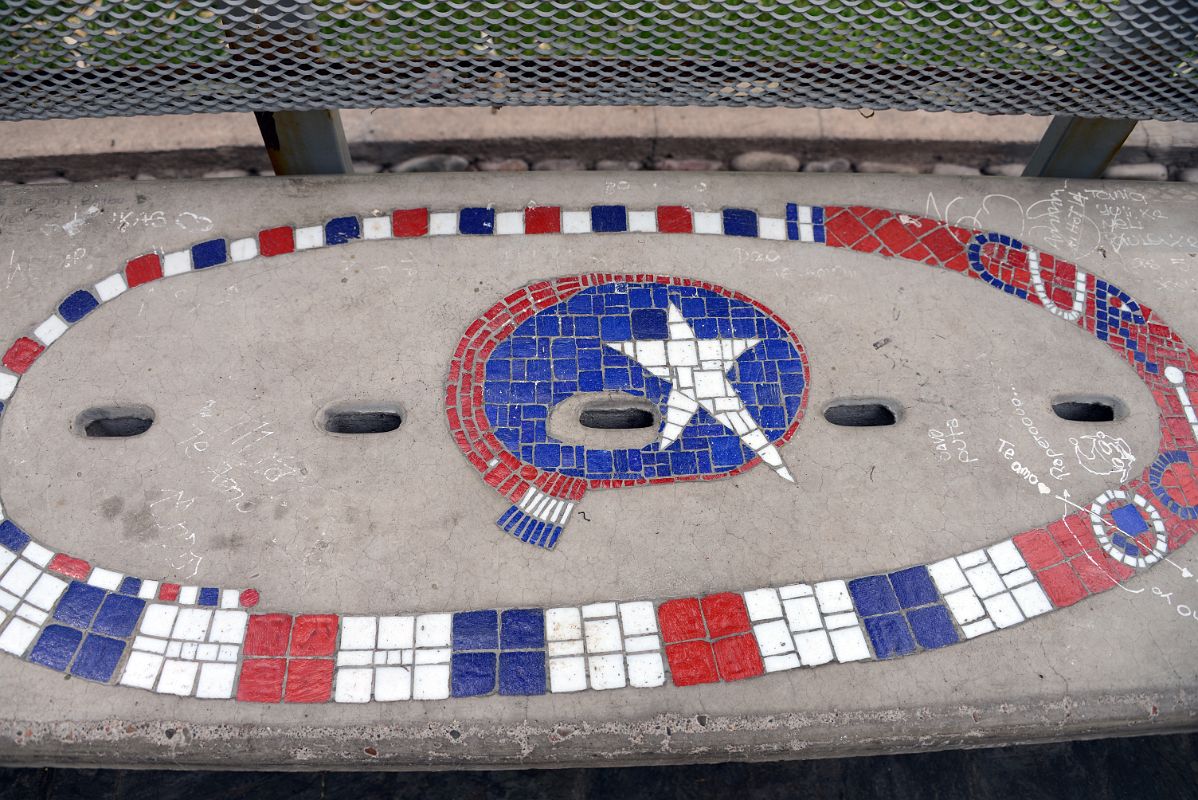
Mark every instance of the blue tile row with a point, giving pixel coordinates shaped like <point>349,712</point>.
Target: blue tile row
<point>504,650</point>
<point>89,632</point>
<point>974,253</point>
<point>902,610</point>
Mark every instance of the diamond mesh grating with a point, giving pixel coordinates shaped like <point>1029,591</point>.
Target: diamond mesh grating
<point>1135,59</point>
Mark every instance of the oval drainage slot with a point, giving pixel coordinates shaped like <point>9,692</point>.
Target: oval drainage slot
<point>358,419</point>
<point>117,422</point>
<point>1088,409</point>
<point>616,419</point>
<point>860,415</point>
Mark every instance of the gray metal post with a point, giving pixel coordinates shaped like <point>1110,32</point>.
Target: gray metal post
<point>1077,147</point>
<point>305,142</point>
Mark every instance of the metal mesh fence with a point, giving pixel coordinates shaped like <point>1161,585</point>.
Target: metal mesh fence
<point>1135,58</point>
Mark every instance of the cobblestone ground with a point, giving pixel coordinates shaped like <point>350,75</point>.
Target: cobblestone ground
<point>1108,769</point>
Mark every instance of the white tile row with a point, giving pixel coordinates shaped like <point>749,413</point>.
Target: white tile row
<point>1074,313</point>
<point>989,589</point>
<point>27,595</point>
<point>804,625</point>
<point>603,646</point>
<point>184,650</point>
<point>391,658</point>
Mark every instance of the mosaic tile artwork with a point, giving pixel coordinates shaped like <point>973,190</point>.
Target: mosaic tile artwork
<point>729,380</point>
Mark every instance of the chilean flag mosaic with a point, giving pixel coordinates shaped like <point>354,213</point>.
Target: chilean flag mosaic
<point>728,381</point>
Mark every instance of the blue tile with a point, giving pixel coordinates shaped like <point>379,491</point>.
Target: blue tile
<point>1129,520</point>
<point>932,627</point>
<point>118,615</point>
<point>209,254</point>
<point>56,647</point>
<point>523,629</point>
<point>609,219</point>
<point>77,305</point>
<point>208,596</point>
<point>475,630</point>
<point>740,222</point>
<point>472,674</point>
<point>873,595</point>
<point>650,323</point>
<point>477,221</point>
<point>78,604</point>
<point>341,230</point>
<point>13,537</point>
<point>130,585</point>
<point>913,587</point>
<point>890,635</point>
<point>98,658</point>
<point>522,673</point>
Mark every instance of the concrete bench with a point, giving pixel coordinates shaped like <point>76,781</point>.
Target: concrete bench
<point>468,470</point>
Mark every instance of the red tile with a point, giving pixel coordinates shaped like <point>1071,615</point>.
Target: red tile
<point>22,354</point>
<point>1062,585</point>
<point>143,269</point>
<point>1038,549</point>
<point>169,592</point>
<point>691,663</point>
<point>276,241</point>
<point>674,219</point>
<point>261,680</point>
<point>543,219</point>
<point>267,634</point>
<point>309,680</point>
<point>725,614</point>
<point>408,222</point>
<point>1179,482</point>
<point>843,230</point>
<point>249,598</point>
<point>1072,535</point>
<point>894,235</point>
<point>1100,576</point>
<point>314,635</point>
<point>738,657</point>
<point>681,620</point>
<point>74,567</point>
<point>942,243</point>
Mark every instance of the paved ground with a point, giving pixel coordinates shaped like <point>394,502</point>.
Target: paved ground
<point>1142,768</point>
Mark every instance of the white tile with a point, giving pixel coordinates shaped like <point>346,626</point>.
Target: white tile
<point>833,596</point>
<point>192,624</point>
<point>781,663</point>
<point>243,249</point>
<point>48,332</point>
<point>28,612</point>
<point>228,626</point>
<point>567,674</point>
<point>141,670</point>
<point>176,263</point>
<point>8,601</point>
<point>6,557</point>
<point>570,648</point>
<point>606,672</point>
<point>1017,577</point>
<point>711,222</point>
<point>159,620</point>
<point>602,635</point>
<point>796,590</point>
<point>599,610</point>
<point>358,633</point>
<point>1006,556</point>
<point>803,614</point>
<point>773,638</point>
<point>763,604</point>
<point>396,632</point>
<point>379,656</point>
<point>149,644</point>
<point>188,595</point>
<point>19,577</point>
<point>112,286</point>
<point>360,658</point>
<point>984,580</point>
<point>434,630</point>
<point>309,237</point>
<point>8,384</point>
<point>353,685</point>
<point>173,649</point>
<point>177,677</point>
<point>1032,600</point>
<point>227,652</point>
<point>376,228</point>
<point>645,670</point>
<point>813,648</point>
<point>947,575</point>
<point>771,228</point>
<point>509,223</point>
<point>17,637</point>
<point>430,682</point>
<point>964,605</point>
<point>638,618</point>
<point>433,655</point>
<point>562,624</point>
<point>105,579</point>
<point>576,222</point>
<point>442,223</point>
<point>187,650</point>
<point>806,232</point>
<point>642,221</point>
<point>972,558</point>
<point>392,683</point>
<point>216,681</point>
<point>637,644</point>
<point>230,598</point>
<point>148,590</point>
<point>1003,610</point>
<point>46,591</point>
<point>849,644</point>
<point>834,621</point>
<point>977,628</point>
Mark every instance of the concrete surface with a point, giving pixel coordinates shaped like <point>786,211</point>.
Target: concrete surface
<point>400,521</point>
